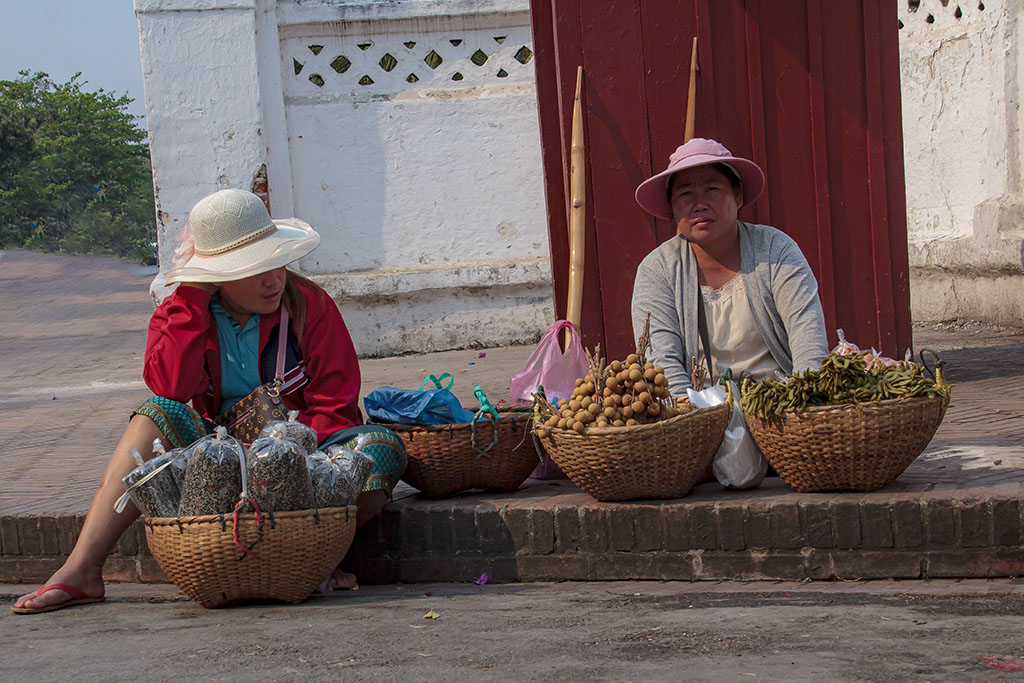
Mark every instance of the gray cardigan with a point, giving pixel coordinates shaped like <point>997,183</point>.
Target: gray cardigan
<point>780,286</point>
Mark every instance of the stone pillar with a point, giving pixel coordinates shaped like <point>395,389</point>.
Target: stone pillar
<point>961,86</point>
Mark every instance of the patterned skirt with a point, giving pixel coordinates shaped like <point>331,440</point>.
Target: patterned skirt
<point>181,425</point>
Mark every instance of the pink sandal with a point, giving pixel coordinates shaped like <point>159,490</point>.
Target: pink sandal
<point>77,598</point>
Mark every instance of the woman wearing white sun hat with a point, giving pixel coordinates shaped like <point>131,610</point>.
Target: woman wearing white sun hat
<point>750,283</point>
<point>210,343</point>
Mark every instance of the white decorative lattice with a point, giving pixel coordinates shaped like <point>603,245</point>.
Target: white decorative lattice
<point>922,15</point>
<point>392,63</point>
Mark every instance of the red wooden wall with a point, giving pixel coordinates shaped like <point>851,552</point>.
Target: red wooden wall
<point>809,90</point>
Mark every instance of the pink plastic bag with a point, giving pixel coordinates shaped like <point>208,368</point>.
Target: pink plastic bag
<point>550,368</point>
<point>556,371</point>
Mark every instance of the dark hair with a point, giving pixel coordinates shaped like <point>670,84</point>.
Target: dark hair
<point>295,301</point>
<point>734,179</point>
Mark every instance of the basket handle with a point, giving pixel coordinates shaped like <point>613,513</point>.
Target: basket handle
<point>938,363</point>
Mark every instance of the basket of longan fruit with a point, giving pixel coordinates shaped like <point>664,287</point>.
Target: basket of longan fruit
<point>622,435</point>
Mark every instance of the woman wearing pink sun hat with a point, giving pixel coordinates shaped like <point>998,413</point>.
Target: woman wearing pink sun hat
<point>739,293</point>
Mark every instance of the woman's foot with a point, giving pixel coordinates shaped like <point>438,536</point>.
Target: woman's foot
<point>338,581</point>
<point>89,585</point>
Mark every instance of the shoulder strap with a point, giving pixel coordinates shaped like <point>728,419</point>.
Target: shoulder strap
<point>702,326</point>
<point>282,343</point>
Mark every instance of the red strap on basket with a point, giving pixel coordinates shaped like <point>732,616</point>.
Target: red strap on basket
<point>259,527</point>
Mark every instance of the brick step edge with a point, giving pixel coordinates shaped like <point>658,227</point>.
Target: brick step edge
<point>695,565</point>
<point>963,533</point>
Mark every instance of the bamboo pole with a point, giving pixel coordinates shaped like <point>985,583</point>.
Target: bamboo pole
<point>691,100</point>
<point>577,210</point>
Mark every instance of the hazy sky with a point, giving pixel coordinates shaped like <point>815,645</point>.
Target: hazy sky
<point>100,38</point>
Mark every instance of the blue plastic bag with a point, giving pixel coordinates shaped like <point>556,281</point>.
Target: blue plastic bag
<point>415,406</point>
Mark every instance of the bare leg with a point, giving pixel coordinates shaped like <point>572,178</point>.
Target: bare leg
<point>103,527</point>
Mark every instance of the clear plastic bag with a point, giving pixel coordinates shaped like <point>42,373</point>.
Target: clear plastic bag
<point>355,464</point>
<point>293,429</point>
<point>179,461</point>
<point>279,479</point>
<point>213,477</point>
<point>332,485</point>
<point>151,485</point>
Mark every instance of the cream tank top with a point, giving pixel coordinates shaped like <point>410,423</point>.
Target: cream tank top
<point>735,340</point>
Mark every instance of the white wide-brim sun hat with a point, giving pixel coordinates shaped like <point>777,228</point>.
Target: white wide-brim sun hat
<point>230,236</point>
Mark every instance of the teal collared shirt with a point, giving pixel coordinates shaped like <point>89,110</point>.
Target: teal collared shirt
<point>239,355</point>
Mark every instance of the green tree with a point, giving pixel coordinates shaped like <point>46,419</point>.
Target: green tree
<point>74,169</point>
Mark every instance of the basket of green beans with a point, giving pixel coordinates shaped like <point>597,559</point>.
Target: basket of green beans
<point>854,424</point>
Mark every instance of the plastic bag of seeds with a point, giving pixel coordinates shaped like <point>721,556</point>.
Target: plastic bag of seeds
<point>358,466</point>
<point>294,430</point>
<point>332,484</point>
<point>213,476</point>
<point>151,485</point>
<point>279,478</point>
<point>179,461</point>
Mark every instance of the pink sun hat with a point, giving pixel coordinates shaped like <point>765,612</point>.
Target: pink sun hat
<point>652,195</point>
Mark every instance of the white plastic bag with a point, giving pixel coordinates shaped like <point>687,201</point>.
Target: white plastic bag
<point>739,463</point>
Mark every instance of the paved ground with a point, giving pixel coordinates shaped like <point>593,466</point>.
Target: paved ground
<point>618,631</point>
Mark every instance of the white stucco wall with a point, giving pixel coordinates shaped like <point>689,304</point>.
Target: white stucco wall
<point>426,188</point>
<point>961,82</point>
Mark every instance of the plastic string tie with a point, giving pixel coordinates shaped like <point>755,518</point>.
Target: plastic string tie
<point>486,411</point>
<point>242,500</point>
<point>437,379</point>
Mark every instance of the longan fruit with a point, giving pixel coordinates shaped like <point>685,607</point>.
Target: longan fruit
<point>609,412</point>
<point>615,366</point>
<point>649,366</point>
<point>640,386</point>
<point>644,397</point>
<point>660,370</point>
<point>585,401</point>
<point>660,380</point>
<point>627,412</point>
<point>579,381</point>
<point>575,405</point>
<point>568,412</point>
<point>632,358</point>
<point>618,423</point>
<point>593,409</point>
<point>650,374</point>
<point>551,421</point>
<point>654,410</point>
<point>578,427</point>
<point>638,407</point>
<point>563,423</point>
<point>631,423</point>
<point>563,403</point>
<point>635,374</point>
<point>601,422</point>
<point>611,383</point>
<point>614,400</point>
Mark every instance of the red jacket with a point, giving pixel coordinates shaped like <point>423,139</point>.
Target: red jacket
<point>183,360</point>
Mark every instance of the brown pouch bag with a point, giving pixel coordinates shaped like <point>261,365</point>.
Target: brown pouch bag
<point>262,405</point>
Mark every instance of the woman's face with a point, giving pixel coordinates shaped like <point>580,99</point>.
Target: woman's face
<point>705,205</point>
<point>254,295</point>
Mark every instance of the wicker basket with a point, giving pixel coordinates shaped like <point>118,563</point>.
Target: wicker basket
<point>837,448</point>
<point>298,550</point>
<point>444,461</point>
<point>658,460</point>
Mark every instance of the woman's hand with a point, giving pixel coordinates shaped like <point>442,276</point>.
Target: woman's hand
<point>208,287</point>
